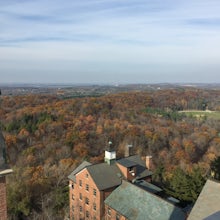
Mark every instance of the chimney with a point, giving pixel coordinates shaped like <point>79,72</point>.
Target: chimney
<point>149,162</point>
<point>128,150</point>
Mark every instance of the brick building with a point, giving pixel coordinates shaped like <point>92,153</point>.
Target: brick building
<point>4,170</point>
<point>3,206</point>
<point>130,201</point>
<point>90,184</point>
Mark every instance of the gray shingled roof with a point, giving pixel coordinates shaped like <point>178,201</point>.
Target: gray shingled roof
<point>105,176</point>
<point>148,186</point>
<point>136,204</point>
<point>207,205</point>
<point>136,160</point>
<point>126,162</point>
<point>84,164</point>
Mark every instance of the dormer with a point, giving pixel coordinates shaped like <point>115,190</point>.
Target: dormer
<point>132,171</point>
<point>128,168</point>
<point>133,168</point>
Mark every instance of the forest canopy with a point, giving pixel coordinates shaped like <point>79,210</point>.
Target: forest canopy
<point>48,136</point>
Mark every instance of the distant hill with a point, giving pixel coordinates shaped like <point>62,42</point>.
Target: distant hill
<point>82,90</point>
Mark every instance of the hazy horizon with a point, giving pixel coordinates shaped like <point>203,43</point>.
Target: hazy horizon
<point>109,41</point>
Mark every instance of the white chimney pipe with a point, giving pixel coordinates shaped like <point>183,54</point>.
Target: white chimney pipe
<point>149,162</point>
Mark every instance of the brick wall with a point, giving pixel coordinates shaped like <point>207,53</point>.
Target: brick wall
<point>111,214</point>
<point>85,198</point>
<point>3,202</point>
<point>126,173</point>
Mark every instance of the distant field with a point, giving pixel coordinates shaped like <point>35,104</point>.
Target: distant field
<point>200,114</point>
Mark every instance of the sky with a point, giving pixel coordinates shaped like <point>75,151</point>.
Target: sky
<point>109,41</point>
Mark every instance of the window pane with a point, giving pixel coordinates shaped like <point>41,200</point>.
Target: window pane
<point>87,201</point>
<point>87,187</point>
<point>94,192</point>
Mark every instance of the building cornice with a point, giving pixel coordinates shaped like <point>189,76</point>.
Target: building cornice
<point>5,172</point>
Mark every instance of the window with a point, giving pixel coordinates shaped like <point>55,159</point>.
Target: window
<point>80,196</point>
<point>87,175</point>
<point>117,217</point>
<point>73,208</point>
<point>87,201</point>
<point>130,169</point>
<point>109,211</point>
<point>87,214</point>
<point>80,183</point>
<point>94,206</point>
<point>73,197</point>
<point>94,192</point>
<point>87,187</point>
<point>72,185</point>
<point>80,209</point>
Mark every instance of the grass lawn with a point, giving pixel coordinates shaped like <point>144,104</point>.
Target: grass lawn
<point>200,114</point>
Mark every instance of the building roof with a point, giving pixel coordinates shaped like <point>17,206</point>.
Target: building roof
<point>135,203</point>
<point>148,186</point>
<point>104,175</point>
<point>140,165</point>
<point>126,162</point>
<point>207,205</point>
<point>83,165</point>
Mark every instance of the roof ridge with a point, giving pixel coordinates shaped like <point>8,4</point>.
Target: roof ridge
<point>153,194</point>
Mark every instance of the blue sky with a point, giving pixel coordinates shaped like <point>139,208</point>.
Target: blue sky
<point>109,41</point>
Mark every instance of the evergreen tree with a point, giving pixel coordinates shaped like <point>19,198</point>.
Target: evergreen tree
<point>197,182</point>
<point>215,168</point>
<point>158,175</point>
<point>184,186</point>
<point>179,185</point>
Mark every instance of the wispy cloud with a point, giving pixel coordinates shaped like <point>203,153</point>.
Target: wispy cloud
<point>205,22</point>
<point>127,31</point>
<point>125,21</point>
